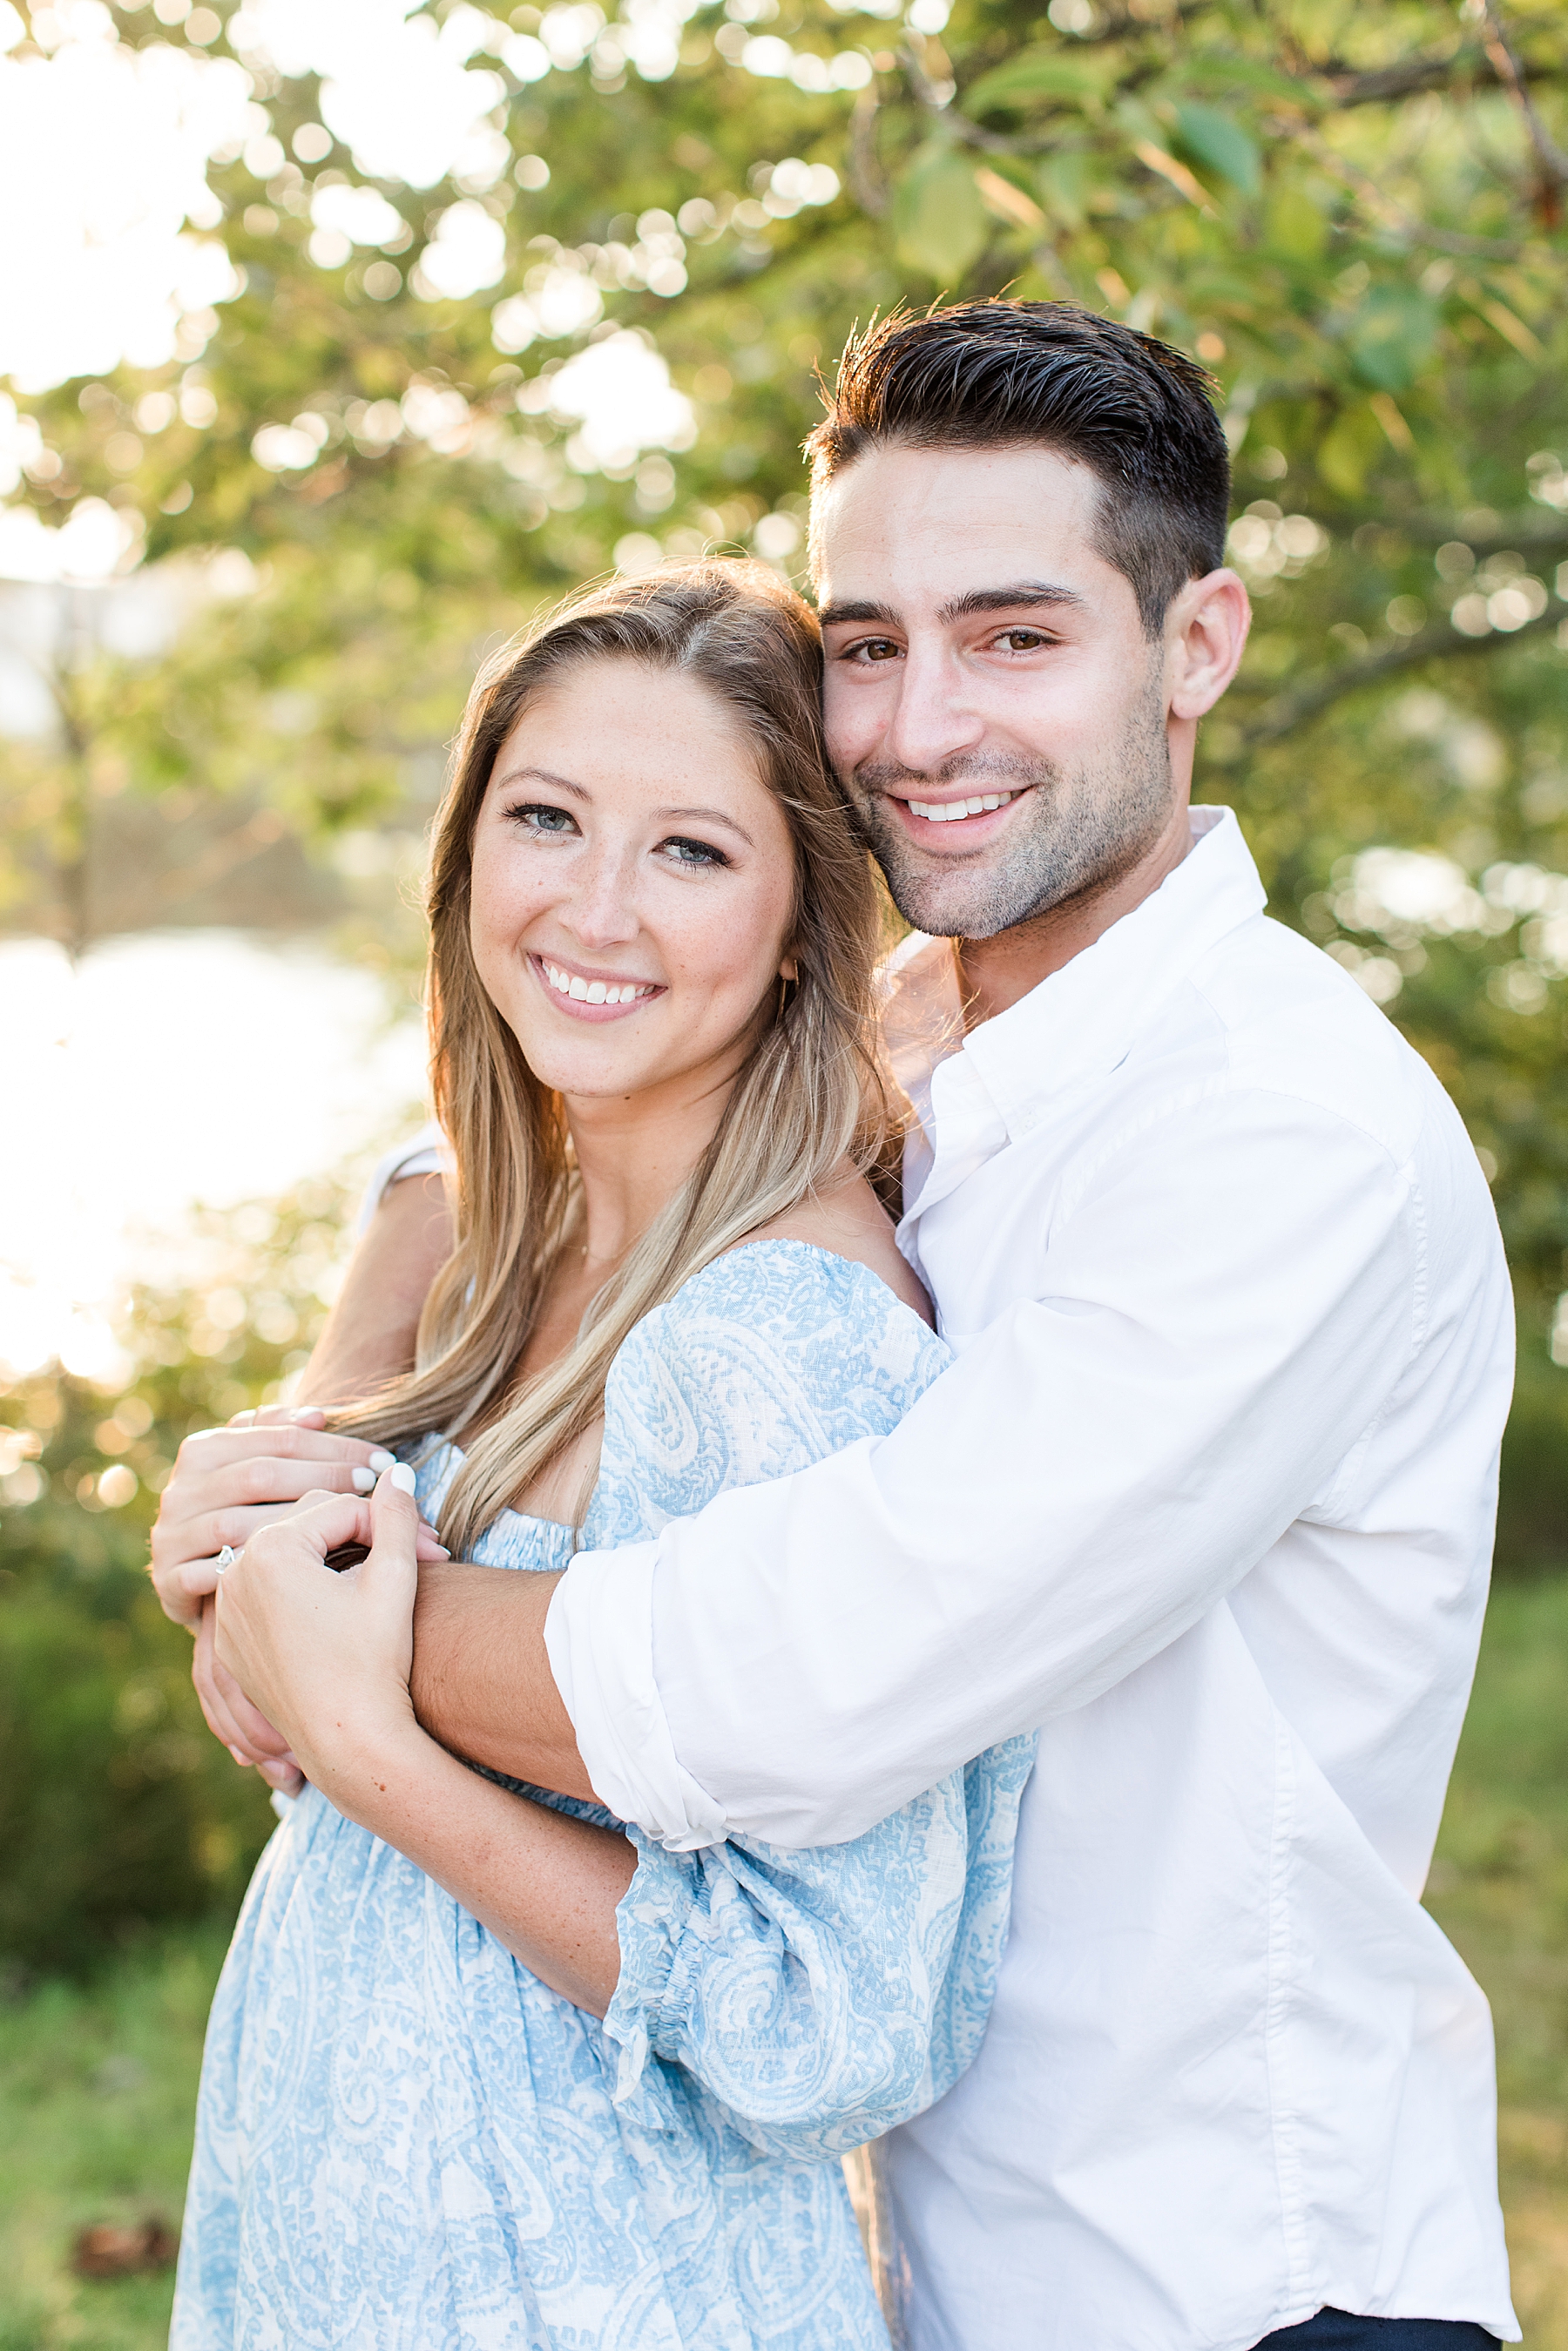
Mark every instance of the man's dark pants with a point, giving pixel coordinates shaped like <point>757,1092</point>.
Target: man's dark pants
<point>1336,2330</point>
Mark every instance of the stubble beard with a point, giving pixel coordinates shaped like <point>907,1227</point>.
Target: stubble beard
<point>1078,832</point>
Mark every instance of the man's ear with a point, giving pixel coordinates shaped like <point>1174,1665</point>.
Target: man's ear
<point>1205,635</point>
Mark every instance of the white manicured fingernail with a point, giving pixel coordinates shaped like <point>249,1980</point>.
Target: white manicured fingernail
<point>402,1476</point>
<point>364,1482</point>
<point>381,1460</point>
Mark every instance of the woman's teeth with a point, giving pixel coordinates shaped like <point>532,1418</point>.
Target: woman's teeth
<point>945,811</point>
<point>595,991</point>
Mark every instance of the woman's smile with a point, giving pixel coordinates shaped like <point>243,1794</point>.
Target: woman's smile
<point>591,996</point>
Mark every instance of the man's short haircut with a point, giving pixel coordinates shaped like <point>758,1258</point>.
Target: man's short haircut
<point>986,375</point>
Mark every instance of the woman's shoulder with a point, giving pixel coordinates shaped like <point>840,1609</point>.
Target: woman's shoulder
<point>849,1222</point>
<point>778,1352</point>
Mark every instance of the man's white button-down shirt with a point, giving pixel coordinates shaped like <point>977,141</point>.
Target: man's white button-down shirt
<point>1209,1497</point>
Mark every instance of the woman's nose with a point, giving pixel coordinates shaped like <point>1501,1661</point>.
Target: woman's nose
<point>601,911</point>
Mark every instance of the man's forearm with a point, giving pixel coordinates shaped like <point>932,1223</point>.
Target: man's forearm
<point>482,1683</point>
<point>371,1332</point>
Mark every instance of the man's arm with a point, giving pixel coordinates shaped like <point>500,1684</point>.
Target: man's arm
<point>1091,1475</point>
<point>369,1336</point>
<point>1097,1471</point>
<point>482,1683</point>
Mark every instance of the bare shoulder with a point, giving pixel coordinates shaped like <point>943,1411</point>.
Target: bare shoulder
<point>851,1221</point>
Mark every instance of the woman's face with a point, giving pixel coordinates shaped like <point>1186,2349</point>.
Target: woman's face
<point>632,884</point>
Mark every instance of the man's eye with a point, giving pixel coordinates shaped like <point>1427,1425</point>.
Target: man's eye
<point>695,854</point>
<point>540,817</point>
<point>874,649</point>
<point>1022,640</point>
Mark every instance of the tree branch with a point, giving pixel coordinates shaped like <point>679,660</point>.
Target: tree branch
<point>867,184</point>
<point>1550,162</point>
<point>1392,214</point>
<point>1287,711</point>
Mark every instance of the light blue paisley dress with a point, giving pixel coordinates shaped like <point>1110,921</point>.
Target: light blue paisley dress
<point>405,2142</point>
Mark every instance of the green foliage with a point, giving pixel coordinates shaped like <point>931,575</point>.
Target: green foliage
<point>97,2086</point>
<point>118,1809</point>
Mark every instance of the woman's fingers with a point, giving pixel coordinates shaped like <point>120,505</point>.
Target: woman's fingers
<point>210,1450</point>
<point>230,1718</point>
<point>279,1415</point>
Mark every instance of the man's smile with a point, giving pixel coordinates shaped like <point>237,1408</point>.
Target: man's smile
<point>956,820</point>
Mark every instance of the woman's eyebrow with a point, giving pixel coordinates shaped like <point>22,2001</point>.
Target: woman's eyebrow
<point>703,816</point>
<point>543,776</point>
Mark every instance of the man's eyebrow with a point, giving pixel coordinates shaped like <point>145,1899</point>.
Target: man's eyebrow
<point>829,614</point>
<point>1024,594</point>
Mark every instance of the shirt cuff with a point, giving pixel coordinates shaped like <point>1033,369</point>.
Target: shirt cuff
<point>600,1637</point>
<point>425,1153</point>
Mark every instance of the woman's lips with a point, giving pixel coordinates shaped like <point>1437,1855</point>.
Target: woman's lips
<point>592,999</point>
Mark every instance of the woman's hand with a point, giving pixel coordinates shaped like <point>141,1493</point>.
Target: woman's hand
<point>227,1483</point>
<point>230,1718</point>
<point>326,1656</point>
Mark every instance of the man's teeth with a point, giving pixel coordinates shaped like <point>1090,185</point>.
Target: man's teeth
<point>596,991</point>
<point>945,811</point>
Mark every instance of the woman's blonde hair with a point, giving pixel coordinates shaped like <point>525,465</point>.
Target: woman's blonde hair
<point>808,1099</point>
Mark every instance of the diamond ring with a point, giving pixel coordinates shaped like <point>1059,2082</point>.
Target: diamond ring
<point>225,1560</point>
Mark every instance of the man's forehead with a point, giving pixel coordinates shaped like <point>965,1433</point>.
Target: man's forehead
<point>942,525</point>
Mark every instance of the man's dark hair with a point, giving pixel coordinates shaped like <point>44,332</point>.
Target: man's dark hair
<point>980,375</point>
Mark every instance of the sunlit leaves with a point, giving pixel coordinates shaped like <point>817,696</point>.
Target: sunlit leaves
<point>940,217</point>
<point>1219,140</point>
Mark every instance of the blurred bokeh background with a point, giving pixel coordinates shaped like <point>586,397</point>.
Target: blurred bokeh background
<point>337,337</point>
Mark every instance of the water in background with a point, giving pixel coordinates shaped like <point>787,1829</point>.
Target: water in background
<point>163,1070</point>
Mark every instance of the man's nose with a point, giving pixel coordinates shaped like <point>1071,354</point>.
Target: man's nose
<point>934,719</point>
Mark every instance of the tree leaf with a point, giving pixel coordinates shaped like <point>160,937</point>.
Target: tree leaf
<point>1219,140</point>
<point>1393,335</point>
<point>1043,72</point>
<point>940,220</point>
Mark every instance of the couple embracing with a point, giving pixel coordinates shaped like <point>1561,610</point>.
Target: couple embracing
<point>982,1689</point>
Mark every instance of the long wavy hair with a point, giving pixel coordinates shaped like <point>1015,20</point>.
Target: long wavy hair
<point>808,1102</point>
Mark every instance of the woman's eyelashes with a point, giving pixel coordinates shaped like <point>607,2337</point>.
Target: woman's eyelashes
<point>542,819</point>
<point>697,855</point>
<point>545,821</point>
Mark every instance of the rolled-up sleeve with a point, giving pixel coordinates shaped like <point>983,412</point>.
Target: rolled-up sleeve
<point>1099,1467</point>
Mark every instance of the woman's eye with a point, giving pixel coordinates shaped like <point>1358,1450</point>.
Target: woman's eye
<point>540,817</point>
<point>695,853</point>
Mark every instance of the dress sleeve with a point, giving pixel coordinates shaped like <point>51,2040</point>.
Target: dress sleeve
<point>818,1996</point>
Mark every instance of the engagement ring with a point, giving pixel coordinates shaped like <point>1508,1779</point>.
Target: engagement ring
<point>225,1560</point>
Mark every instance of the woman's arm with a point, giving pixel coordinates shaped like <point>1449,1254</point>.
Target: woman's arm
<point>325,1658</point>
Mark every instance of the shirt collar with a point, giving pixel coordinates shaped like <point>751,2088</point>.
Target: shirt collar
<point>1080,1020</point>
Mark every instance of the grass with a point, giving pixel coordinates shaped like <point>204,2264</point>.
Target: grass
<point>97,2085</point>
<point>1500,1890</point>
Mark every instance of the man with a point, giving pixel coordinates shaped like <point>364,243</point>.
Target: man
<point>1208,1494</point>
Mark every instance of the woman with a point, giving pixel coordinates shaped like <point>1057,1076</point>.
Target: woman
<point>484,2067</point>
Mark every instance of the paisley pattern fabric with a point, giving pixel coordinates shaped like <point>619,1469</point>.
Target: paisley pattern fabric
<point>405,2142</point>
